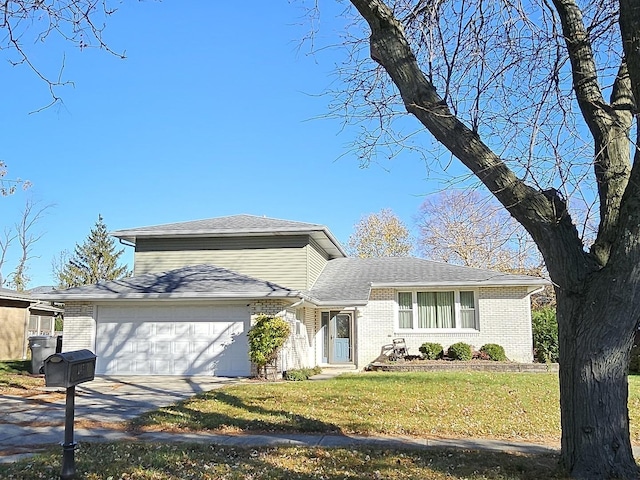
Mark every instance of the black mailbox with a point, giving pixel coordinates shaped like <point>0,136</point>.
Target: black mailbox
<point>69,368</point>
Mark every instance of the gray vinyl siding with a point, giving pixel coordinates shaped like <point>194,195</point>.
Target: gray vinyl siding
<point>316,261</point>
<point>281,259</point>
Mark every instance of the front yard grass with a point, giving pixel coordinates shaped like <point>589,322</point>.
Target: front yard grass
<point>515,407</point>
<point>521,407</point>
<point>15,378</point>
<point>136,461</point>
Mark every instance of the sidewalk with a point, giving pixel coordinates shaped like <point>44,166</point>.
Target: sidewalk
<point>17,441</point>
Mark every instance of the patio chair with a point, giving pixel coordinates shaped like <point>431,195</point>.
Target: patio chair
<point>399,349</point>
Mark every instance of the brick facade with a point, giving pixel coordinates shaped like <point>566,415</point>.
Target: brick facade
<point>79,330</point>
<point>504,317</point>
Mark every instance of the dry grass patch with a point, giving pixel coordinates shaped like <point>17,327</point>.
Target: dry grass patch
<point>15,379</point>
<point>135,461</point>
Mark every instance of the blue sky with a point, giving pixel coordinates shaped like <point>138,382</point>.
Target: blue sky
<point>215,111</point>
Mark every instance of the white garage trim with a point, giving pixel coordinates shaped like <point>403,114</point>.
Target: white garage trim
<point>173,339</point>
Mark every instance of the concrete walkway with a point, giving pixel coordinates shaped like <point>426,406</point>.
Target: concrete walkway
<point>29,423</point>
<point>20,446</point>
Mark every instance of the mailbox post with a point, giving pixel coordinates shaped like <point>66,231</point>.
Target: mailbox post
<point>68,370</point>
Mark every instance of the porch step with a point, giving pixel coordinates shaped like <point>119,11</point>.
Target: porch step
<point>334,371</point>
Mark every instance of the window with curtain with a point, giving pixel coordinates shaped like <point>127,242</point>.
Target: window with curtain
<point>405,310</point>
<point>467,310</point>
<point>436,309</point>
<point>439,309</point>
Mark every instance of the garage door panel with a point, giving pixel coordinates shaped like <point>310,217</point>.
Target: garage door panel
<point>210,340</point>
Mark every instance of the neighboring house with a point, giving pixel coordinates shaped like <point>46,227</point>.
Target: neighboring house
<point>197,285</point>
<point>22,316</point>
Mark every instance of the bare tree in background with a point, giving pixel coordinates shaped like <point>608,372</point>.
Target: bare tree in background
<point>27,237</point>
<point>539,100</point>
<point>467,228</point>
<point>8,237</point>
<point>380,234</point>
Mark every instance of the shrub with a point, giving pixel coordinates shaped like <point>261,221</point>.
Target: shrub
<point>494,352</point>
<point>634,360</point>
<point>266,336</point>
<point>460,351</point>
<point>431,351</point>
<point>301,374</point>
<point>545,335</point>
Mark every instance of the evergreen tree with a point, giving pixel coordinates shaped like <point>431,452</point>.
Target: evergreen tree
<point>95,260</point>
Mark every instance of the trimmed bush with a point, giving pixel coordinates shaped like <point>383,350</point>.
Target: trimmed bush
<point>301,374</point>
<point>266,337</point>
<point>634,360</point>
<point>494,352</point>
<point>431,351</point>
<point>460,351</point>
<point>545,335</point>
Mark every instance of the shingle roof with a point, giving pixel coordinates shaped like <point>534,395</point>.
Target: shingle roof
<point>196,282</point>
<point>9,294</point>
<point>348,281</point>
<point>236,225</point>
<point>26,299</point>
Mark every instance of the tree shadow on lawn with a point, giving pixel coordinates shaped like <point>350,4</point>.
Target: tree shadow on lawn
<point>186,415</point>
<point>177,461</point>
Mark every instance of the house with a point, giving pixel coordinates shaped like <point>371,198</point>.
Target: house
<point>22,316</point>
<point>197,285</point>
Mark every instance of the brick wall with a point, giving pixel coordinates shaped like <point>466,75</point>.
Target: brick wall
<point>504,318</point>
<point>79,330</point>
<point>375,325</point>
<point>267,307</point>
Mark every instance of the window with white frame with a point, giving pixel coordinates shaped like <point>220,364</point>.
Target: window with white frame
<point>453,309</point>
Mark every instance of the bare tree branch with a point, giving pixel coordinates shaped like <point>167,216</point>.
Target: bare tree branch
<point>31,215</point>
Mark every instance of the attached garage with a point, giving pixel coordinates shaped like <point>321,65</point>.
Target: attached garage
<point>173,340</point>
<point>189,321</point>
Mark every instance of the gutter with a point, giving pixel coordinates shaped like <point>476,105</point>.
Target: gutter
<point>170,296</point>
<point>482,283</point>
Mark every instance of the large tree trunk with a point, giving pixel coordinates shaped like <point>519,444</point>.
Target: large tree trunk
<point>598,292</point>
<point>594,357</point>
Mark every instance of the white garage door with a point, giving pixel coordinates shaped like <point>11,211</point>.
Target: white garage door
<point>173,340</point>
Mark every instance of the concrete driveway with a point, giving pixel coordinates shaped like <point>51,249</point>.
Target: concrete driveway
<point>39,419</point>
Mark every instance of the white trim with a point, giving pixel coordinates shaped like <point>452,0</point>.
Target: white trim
<point>172,296</point>
<point>534,282</point>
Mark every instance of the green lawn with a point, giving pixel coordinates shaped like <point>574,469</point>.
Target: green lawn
<point>487,405</point>
<point>519,407</point>
<point>135,461</point>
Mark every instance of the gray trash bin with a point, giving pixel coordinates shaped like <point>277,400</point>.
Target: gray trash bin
<point>41,346</point>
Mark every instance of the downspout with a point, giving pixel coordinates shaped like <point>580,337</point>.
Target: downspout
<point>537,290</point>
<point>25,338</point>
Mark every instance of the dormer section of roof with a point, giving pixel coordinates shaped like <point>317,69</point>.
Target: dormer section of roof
<point>291,254</point>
